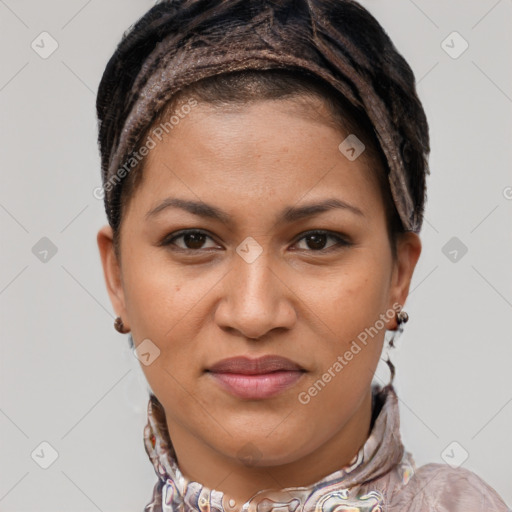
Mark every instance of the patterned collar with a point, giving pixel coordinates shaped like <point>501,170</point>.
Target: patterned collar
<point>354,487</point>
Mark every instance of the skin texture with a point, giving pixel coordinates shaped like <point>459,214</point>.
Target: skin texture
<point>293,300</point>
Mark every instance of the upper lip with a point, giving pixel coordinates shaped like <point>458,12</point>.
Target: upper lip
<point>248,366</point>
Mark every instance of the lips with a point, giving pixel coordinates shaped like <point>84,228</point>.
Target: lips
<point>259,366</point>
<point>256,379</point>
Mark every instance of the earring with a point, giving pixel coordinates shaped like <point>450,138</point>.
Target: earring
<point>118,324</point>
<point>401,317</point>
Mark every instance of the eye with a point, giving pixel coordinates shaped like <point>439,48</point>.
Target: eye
<point>316,240</point>
<point>193,240</point>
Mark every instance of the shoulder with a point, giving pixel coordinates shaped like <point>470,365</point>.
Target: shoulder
<point>441,488</point>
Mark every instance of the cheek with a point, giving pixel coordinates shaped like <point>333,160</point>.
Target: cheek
<point>170,307</point>
<point>352,298</point>
<point>149,294</point>
<point>166,307</point>
<point>159,295</point>
<point>350,305</point>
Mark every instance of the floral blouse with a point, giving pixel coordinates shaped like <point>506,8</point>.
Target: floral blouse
<point>382,477</point>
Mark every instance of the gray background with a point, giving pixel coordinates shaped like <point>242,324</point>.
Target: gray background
<point>67,376</point>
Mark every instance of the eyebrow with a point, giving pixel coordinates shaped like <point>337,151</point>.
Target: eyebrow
<point>287,215</point>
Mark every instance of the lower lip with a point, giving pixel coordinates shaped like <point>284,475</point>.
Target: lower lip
<point>257,386</point>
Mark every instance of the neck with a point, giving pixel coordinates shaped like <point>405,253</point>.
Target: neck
<point>238,481</point>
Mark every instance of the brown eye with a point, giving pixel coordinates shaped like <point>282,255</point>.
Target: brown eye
<point>194,240</point>
<point>316,241</point>
<point>191,240</point>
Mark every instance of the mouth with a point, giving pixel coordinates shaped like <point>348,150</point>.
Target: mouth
<point>255,379</point>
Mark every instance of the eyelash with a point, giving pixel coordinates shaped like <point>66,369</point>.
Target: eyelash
<point>341,242</point>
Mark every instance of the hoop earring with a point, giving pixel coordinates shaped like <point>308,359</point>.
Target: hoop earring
<point>401,318</point>
<point>119,326</point>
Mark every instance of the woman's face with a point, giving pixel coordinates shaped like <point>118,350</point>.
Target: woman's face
<point>253,282</point>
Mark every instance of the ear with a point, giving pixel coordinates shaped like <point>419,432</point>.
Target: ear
<point>408,253</point>
<point>112,272</point>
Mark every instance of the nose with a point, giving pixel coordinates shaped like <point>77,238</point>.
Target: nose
<point>256,298</point>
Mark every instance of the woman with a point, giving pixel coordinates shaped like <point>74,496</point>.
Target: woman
<point>264,169</point>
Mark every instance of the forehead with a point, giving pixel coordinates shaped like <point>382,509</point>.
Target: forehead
<point>255,151</point>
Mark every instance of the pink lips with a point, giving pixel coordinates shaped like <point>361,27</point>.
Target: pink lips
<point>256,378</point>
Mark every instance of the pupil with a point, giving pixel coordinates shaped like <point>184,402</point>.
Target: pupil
<point>194,239</point>
<point>318,241</point>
